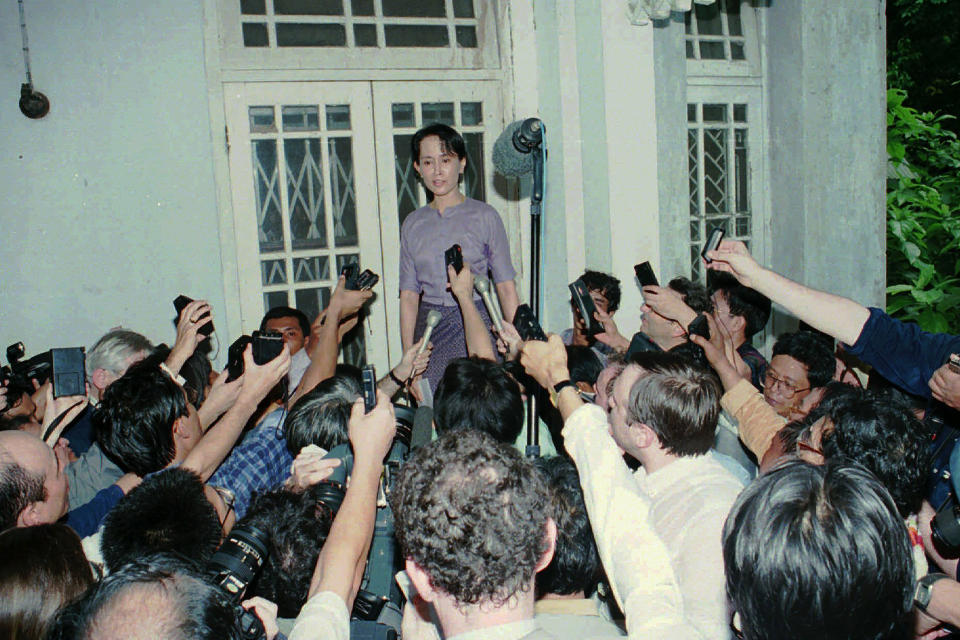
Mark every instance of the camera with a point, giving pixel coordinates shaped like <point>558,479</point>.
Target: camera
<point>945,526</point>
<point>267,345</point>
<point>66,367</point>
<point>232,568</point>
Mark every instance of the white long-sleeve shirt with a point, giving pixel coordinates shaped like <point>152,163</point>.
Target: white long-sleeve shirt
<point>659,534</point>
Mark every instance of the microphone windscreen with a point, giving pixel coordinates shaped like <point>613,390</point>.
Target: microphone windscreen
<point>481,285</point>
<point>506,159</point>
<point>433,318</point>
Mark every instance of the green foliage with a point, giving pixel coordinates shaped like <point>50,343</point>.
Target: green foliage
<point>923,47</point>
<point>923,217</point>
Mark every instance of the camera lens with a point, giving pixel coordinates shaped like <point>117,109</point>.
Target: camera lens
<point>404,417</point>
<point>946,528</point>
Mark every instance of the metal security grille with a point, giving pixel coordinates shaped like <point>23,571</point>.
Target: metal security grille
<point>305,203</point>
<point>448,24</point>
<point>716,32</point>
<point>719,175</point>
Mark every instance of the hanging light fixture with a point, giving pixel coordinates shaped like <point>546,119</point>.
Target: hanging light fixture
<point>33,104</point>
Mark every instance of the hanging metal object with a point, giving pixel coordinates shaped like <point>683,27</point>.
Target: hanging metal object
<point>33,104</point>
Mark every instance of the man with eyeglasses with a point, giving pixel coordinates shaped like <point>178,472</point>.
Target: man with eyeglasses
<point>801,363</point>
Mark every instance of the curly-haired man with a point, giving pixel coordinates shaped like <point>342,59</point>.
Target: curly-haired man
<point>473,521</point>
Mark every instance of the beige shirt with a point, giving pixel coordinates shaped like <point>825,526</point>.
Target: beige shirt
<point>634,554</point>
<point>323,617</point>
<point>689,502</point>
<point>758,422</point>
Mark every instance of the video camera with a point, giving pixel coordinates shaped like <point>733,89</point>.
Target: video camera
<point>378,608</point>
<point>232,568</point>
<point>66,367</point>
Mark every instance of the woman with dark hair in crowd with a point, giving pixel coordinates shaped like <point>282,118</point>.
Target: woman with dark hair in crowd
<point>440,157</point>
<point>43,569</point>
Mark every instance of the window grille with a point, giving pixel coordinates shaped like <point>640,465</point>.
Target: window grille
<point>715,32</point>
<point>305,205</point>
<point>358,23</point>
<point>719,175</point>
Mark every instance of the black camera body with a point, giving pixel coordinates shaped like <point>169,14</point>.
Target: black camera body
<point>527,325</point>
<point>267,345</point>
<point>66,367</point>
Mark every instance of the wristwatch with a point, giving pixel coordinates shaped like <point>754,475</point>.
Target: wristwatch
<point>557,388</point>
<point>921,597</point>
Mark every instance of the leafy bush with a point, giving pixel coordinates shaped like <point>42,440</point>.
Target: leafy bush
<point>923,217</point>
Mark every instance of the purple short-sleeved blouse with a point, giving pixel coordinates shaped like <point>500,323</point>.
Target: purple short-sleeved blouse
<point>427,234</point>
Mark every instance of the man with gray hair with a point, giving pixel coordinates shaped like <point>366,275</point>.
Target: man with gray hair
<point>108,359</point>
<point>111,356</point>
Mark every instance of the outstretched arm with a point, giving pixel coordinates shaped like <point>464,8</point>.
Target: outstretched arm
<point>836,316</point>
<point>474,329</point>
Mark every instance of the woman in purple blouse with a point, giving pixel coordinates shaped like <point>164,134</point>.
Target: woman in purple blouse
<point>440,157</point>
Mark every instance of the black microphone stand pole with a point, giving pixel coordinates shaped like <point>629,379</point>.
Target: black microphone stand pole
<point>536,231</point>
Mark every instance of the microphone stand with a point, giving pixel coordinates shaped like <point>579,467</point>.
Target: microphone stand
<point>536,231</point>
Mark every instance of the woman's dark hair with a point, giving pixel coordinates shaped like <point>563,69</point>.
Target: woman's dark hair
<point>43,569</point>
<point>450,140</point>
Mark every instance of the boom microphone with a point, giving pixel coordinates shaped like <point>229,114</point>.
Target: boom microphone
<point>433,319</point>
<point>482,285</point>
<point>507,159</point>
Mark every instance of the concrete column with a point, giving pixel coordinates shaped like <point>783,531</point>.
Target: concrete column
<point>827,136</point>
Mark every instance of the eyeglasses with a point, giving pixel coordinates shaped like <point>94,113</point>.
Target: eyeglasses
<point>788,390</point>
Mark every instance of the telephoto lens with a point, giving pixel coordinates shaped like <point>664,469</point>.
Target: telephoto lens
<point>237,561</point>
<point>404,418</point>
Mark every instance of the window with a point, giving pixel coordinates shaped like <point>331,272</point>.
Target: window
<point>725,151</point>
<point>719,176</point>
<point>368,34</point>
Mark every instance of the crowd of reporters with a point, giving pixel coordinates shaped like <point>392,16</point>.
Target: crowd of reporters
<point>687,486</point>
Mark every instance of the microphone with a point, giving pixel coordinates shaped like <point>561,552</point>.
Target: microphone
<point>482,285</point>
<point>433,319</point>
<point>507,159</point>
<point>528,135</point>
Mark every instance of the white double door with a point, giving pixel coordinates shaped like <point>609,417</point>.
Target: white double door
<point>321,175</point>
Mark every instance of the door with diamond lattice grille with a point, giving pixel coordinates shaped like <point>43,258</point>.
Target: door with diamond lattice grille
<point>304,189</point>
<point>321,175</point>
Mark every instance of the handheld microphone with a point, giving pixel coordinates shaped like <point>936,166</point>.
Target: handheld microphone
<point>433,319</point>
<point>482,285</point>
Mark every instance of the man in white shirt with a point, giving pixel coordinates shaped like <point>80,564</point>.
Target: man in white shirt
<point>664,415</point>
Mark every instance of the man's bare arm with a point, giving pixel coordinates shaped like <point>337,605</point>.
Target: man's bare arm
<point>217,442</point>
<point>345,549</point>
<point>836,316</point>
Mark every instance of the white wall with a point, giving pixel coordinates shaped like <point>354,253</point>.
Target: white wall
<point>109,204</point>
<point>595,84</point>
